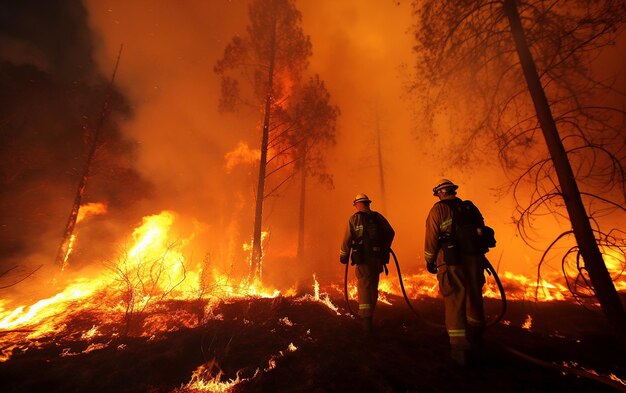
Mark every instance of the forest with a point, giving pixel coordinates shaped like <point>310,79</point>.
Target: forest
<point>177,180</point>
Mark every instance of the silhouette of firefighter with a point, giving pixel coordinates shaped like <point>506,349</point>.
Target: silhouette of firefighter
<point>455,244</point>
<point>367,243</point>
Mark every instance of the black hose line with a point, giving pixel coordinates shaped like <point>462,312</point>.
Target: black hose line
<point>406,298</point>
<point>563,369</point>
<point>345,290</point>
<point>492,272</point>
<point>489,268</point>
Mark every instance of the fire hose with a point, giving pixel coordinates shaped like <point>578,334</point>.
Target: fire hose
<point>489,268</point>
<point>491,271</point>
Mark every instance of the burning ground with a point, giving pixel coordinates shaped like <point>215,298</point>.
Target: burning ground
<point>300,343</point>
<point>154,322</point>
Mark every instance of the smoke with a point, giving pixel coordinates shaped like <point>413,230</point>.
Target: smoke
<point>179,153</point>
<point>362,51</point>
<point>53,36</point>
<point>51,95</point>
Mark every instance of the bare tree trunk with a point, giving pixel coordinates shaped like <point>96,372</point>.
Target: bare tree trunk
<point>594,263</point>
<point>300,253</point>
<point>64,247</point>
<point>381,172</point>
<point>256,268</point>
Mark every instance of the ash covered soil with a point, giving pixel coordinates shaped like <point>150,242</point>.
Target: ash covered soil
<point>291,345</point>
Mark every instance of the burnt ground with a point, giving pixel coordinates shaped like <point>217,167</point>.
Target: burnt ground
<point>404,355</point>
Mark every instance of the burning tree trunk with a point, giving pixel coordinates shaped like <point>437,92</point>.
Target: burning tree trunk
<point>256,268</point>
<point>68,234</point>
<point>594,263</point>
<point>274,50</point>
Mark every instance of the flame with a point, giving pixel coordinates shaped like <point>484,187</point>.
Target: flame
<point>153,269</point>
<point>70,248</point>
<point>84,211</point>
<point>286,82</point>
<point>42,312</point>
<point>91,209</point>
<point>616,264</point>
<point>517,287</point>
<point>248,247</point>
<point>242,154</point>
<point>617,379</point>
<point>316,287</point>
<point>207,378</point>
<point>528,323</point>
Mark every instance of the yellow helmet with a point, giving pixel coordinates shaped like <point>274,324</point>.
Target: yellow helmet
<point>443,185</point>
<point>360,198</point>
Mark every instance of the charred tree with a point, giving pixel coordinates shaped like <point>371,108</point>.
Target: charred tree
<point>373,123</point>
<point>66,242</point>
<point>274,51</point>
<point>256,269</point>
<point>566,154</point>
<point>583,232</point>
<point>310,121</point>
<point>302,208</point>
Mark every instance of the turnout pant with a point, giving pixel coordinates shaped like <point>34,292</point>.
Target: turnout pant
<point>461,287</point>
<point>367,276</point>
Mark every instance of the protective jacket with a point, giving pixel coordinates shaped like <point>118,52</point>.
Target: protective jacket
<point>439,227</point>
<point>373,232</point>
<point>438,223</point>
<point>368,238</point>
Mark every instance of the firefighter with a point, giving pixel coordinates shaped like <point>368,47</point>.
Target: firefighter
<point>367,242</point>
<point>460,273</point>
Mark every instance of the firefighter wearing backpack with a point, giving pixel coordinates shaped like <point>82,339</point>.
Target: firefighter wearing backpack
<point>367,243</point>
<point>454,249</point>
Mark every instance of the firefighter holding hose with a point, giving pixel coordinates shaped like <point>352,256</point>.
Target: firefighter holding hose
<point>456,241</point>
<point>367,243</point>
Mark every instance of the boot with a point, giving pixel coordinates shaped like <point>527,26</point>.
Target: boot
<point>367,325</point>
<point>460,356</point>
<point>475,335</point>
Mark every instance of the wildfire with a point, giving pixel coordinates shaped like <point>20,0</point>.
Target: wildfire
<point>70,248</point>
<point>91,209</point>
<point>151,271</point>
<point>84,211</point>
<point>43,314</point>
<point>528,323</point>
<point>242,154</point>
<point>208,378</point>
<point>323,298</point>
<point>616,264</point>
<point>517,287</point>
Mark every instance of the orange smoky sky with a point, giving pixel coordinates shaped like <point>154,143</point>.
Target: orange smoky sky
<point>198,158</point>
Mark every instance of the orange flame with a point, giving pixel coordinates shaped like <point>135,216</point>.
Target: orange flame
<point>84,211</point>
<point>528,323</point>
<point>242,154</point>
<point>91,209</point>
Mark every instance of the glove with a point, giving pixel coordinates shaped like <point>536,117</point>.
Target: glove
<point>431,267</point>
<point>343,260</point>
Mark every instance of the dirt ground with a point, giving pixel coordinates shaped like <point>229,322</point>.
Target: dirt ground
<point>301,345</point>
